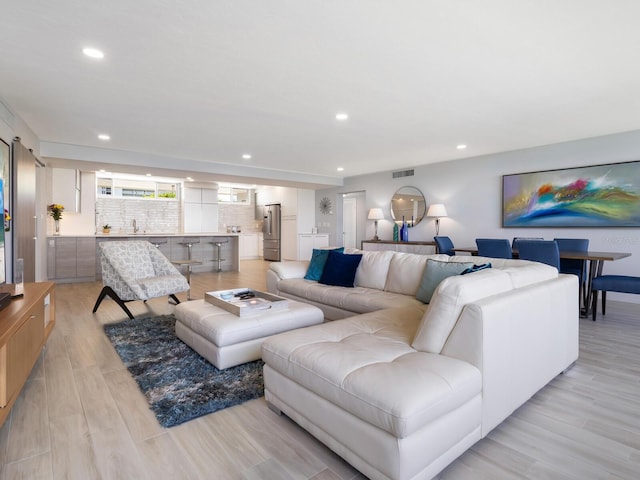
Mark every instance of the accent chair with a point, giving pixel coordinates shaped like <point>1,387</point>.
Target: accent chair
<point>137,270</point>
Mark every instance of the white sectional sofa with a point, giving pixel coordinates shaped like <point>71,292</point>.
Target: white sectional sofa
<point>401,392</point>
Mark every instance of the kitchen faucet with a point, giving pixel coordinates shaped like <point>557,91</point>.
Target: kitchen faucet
<point>135,226</point>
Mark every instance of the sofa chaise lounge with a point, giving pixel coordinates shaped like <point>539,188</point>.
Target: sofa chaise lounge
<point>401,392</point>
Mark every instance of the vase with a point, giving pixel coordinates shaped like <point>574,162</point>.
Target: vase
<point>404,231</point>
<point>57,227</point>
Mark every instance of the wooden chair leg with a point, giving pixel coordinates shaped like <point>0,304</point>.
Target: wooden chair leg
<point>109,291</point>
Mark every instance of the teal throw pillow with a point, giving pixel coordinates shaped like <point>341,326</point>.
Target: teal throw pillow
<point>476,268</point>
<point>340,269</point>
<point>434,273</point>
<point>318,261</point>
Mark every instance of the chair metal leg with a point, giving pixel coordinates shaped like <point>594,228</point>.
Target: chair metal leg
<point>604,301</point>
<point>109,291</point>
<point>594,304</point>
<point>174,298</point>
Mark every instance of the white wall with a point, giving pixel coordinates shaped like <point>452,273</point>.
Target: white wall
<point>471,190</point>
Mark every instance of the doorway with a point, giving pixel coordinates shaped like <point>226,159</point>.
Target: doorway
<point>353,219</point>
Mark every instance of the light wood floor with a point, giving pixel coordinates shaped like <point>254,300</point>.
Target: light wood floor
<point>82,416</point>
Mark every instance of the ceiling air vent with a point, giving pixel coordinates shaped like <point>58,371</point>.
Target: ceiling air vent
<point>403,173</point>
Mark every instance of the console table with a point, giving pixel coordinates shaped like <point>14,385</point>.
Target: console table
<point>25,325</point>
<point>422,248</point>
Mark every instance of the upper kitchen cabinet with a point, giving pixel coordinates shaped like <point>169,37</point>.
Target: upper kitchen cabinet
<point>65,188</point>
<point>295,202</point>
<point>200,210</point>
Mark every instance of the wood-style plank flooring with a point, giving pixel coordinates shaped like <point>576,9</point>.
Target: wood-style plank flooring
<point>82,416</point>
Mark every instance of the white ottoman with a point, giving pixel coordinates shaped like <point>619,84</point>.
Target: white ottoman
<point>226,339</point>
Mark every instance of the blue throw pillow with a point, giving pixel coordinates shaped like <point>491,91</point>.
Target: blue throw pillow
<point>318,260</point>
<point>476,268</point>
<point>340,269</point>
<point>434,273</point>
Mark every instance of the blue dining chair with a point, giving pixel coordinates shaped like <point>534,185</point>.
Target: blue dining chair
<point>612,283</point>
<point>444,245</point>
<point>575,266</point>
<point>543,251</point>
<point>494,247</point>
<point>514,242</point>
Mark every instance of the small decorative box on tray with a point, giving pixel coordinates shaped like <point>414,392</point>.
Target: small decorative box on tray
<point>244,301</point>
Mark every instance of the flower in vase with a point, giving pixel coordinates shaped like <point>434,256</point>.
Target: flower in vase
<point>55,210</point>
<point>7,219</point>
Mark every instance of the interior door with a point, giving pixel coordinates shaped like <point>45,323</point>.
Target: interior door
<point>24,209</point>
<point>349,221</point>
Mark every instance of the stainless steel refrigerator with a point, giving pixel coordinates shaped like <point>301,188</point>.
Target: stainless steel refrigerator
<point>271,230</point>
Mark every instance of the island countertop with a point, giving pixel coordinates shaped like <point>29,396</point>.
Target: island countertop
<point>76,258</point>
<point>146,235</point>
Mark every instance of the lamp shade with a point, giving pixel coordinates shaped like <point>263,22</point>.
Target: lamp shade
<point>375,214</point>
<point>437,210</point>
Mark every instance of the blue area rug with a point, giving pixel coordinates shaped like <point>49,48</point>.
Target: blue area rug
<point>179,384</point>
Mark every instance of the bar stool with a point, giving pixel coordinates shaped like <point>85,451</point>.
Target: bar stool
<point>157,241</point>
<point>218,244</point>
<point>190,242</point>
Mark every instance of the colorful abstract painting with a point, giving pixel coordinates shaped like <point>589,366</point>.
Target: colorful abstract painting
<point>596,196</point>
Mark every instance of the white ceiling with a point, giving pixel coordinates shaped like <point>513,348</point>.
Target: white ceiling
<point>204,81</point>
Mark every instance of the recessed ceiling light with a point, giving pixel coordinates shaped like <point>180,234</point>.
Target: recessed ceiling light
<point>190,179</point>
<point>340,169</point>
<point>462,146</point>
<point>104,136</point>
<point>148,174</point>
<point>246,156</point>
<point>93,52</point>
<point>342,116</point>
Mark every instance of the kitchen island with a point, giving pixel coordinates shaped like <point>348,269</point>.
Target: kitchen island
<point>76,258</point>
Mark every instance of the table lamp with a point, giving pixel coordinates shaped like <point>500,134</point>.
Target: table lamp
<point>375,214</point>
<point>437,210</point>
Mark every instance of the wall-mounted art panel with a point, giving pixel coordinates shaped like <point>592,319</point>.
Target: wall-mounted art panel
<point>594,196</point>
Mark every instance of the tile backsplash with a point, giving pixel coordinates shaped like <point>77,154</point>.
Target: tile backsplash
<point>151,216</point>
<point>242,215</point>
<point>164,216</point>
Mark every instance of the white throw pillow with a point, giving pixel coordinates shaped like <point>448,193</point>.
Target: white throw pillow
<point>373,269</point>
<point>405,273</point>
<point>447,303</point>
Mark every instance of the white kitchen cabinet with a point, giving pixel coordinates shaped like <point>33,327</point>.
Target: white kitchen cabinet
<point>209,195</point>
<point>308,241</point>
<point>288,239</point>
<point>192,195</point>
<point>248,245</point>
<point>200,210</point>
<point>209,218</point>
<point>192,217</point>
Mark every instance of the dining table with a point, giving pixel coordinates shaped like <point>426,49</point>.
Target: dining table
<point>595,261</point>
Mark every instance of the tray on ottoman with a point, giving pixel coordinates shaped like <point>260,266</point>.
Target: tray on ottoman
<point>257,301</point>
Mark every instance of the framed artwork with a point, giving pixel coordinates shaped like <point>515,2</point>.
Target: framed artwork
<point>594,196</point>
<point>5,152</point>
